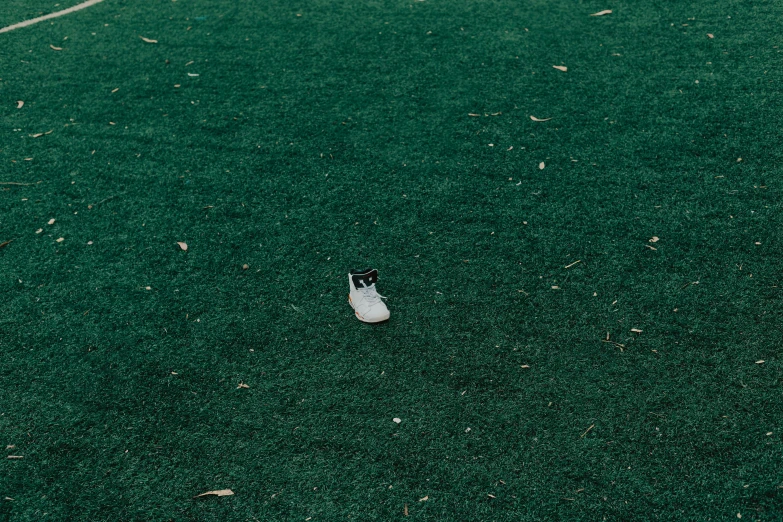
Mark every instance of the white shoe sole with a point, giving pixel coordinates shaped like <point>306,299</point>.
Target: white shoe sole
<point>361,318</point>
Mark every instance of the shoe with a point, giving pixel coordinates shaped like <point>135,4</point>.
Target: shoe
<point>363,297</point>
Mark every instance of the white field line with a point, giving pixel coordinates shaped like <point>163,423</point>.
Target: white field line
<point>70,10</point>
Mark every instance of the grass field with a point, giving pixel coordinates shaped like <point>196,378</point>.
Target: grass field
<point>597,339</point>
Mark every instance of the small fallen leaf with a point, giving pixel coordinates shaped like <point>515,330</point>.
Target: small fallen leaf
<point>397,420</point>
<point>182,245</point>
<point>60,239</point>
<point>38,135</point>
<point>525,366</point>
<point>710,35</point>
<point>10,446</point>
<point>39,231</point>
<point>424,499</point>
<point>601,13</point>
<point>115,90</point>
<point>761,361</point>
<point>218,493</point>
<point>561,68</point>
<point>245,266</point>
<point>654,239</point>
<point>15,457</point>
<point>474,115</point>
<point>148,40</point>
<point>539,119</point>
<point>192,75</point>
<point>55,48</point>
<point>19,104</point>
<point>541,166</point>
<point>147,288</point>
<point>490,495</point>
<point>636,330</point>
<point>242,385</point>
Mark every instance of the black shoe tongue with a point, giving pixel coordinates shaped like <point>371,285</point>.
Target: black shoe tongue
<point>364,278</point>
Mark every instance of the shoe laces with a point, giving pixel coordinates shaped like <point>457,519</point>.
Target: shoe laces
<point>371,295</point>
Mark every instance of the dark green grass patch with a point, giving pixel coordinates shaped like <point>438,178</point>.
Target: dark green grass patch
<point>548,357</point>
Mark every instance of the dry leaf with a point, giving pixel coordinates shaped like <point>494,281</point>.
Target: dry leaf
<point>525,366</point>
<point>245,266</point>
<point>115,90</point>
<point>490,495</point>
<point>182,245</point>
<point>10,446</point>
<point>148,40</point>
<point>242,385</point>
<point>15,457</point>
<point>51,222</point>
<point>710,35</point>
<point>38,135</point>
<point>5,243</point>
<point>636,330</point>
<point>654,239</point>
<point>55,48</point>
<point>218,493</point>
<point>19,104</point>
<point>397,420</point>
<point>601,13</point>
<point>760,361</point>
<point>424,499</point>
<point>539,119</point>
<point>561,68</point>
<point>541,166</point>
<point>39,231</point>
<point>474,115</point>
<point>60,239</point>
<point>192,75</point>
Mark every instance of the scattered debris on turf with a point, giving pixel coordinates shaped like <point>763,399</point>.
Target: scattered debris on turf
<point>602,13</point>
<point>561,68</point>
<point>183,245</point>
<point>19,104</point>
<point>55,48</point>
<point>217,493</point>
<point>5,243</point>
<point>148,40</point>
<point>572,264</point>
<point>587,431</point>
<point>541,166</point>
<point>539,119</point>
<point>242,385</point>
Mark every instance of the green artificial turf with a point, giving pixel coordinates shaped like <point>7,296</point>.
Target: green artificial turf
<point>323,136</point>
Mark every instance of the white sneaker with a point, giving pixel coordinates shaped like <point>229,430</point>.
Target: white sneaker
<point>364,299</point>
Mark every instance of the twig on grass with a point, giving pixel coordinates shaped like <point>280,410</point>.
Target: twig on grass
<point>587,431</point>
<point>620,346</point>
<point>15,183</point>
<point>5,243</point>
